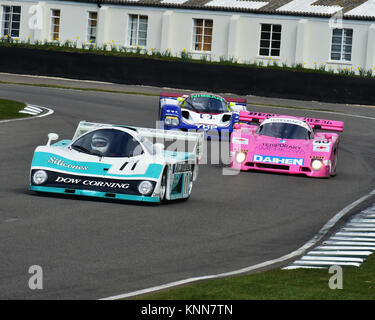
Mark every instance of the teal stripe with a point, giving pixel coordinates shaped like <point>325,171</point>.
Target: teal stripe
<point>61,143</point>
<point>90,193</point>
<point>41,159</point>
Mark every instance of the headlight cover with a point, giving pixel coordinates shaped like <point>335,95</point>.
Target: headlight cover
<point>240,157</point>
<point>40,176</point>
<point>145,188</point>
<point>316,164</point>
<point>172,121</point>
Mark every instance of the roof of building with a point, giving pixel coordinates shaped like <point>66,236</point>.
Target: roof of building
<point>349,9</point>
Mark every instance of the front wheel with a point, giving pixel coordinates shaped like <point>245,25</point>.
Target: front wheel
<point>163,187</point>
<point>190,184</point>
<point>334,168</point>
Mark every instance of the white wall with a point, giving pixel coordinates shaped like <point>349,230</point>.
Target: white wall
<point>304,40</point>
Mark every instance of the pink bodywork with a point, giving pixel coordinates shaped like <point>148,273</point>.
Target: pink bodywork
<point>285,155</point>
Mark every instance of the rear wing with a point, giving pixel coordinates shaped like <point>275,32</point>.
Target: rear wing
<point>195,137</point>
<point>174,95</point>
<point>322,124</point>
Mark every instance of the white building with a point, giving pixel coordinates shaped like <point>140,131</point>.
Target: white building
<point>334,33</point>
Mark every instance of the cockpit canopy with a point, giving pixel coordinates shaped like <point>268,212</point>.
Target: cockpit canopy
<point>285,129</point>
<point>108,143</point>
<point>206,103</point>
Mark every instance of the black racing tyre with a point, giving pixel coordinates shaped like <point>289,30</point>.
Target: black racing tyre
<point>334,170</point>
<point>191,181</point>
<point>163,187</point>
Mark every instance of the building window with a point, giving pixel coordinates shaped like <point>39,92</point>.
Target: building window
<point>137,30</point>
<point>91,31</point>
<point>341,48</point>
<point>270,40</point>
<point>55,25</point>
<point>202,35</point>
<point>11,21</point>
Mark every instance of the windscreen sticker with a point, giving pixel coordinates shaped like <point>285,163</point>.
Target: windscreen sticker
<point>280,147</point>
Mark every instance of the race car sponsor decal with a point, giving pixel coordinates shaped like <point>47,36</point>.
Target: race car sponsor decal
<point>205,116</point>
<point>77,182</point>
<point>206,96</point>
<point>64,164</point>
<point>287,121</point>
<point>280,147</point>
<point>239,140</point>
<point>93,183</point>
<point>278,160</point>
<point>206,126</point>
<point>321,146</point>
<point>181,167</point>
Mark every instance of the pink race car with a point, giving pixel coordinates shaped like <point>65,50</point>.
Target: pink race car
<point>277,143</point>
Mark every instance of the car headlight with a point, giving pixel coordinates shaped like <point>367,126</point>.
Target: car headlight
<point>175,122</point>
<point>172,121</point>
<point>316,164</point>
<point>240,157</point>
<point>145,188</point>
<point>40,176</point>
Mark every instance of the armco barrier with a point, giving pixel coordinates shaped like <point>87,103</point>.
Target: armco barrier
<point>189,75</point>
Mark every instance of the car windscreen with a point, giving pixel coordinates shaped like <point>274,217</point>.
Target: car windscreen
<point>284,131</point>
<point>108,143</point>
<point>205,103</point>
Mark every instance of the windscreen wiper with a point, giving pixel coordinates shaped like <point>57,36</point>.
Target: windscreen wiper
<point>80,148</point>
<point>94,153</point>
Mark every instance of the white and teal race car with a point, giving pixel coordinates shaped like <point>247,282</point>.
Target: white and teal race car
<point>118,162</point>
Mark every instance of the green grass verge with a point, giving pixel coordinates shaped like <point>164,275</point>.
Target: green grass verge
<point>299,284</point>
<point>9,109</point>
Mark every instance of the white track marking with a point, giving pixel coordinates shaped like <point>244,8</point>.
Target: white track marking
<point>31,107</point>
<point>320,258</point>
<point>350,243</point>
<point>326,228</point>
<point>33,113</point>
<point>362,225</point>
<point>360,253</point>
<point>343,247</point>
<point>356,234</point>
<point>49,112</point>
<point>359,229</point>
<point>331,262</point>
<point>353,239</point>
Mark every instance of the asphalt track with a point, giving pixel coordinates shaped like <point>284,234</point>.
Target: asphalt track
<point>92,249</point>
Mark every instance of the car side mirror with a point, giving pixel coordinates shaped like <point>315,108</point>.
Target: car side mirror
<point>52,137</point>
<point>236,107</point>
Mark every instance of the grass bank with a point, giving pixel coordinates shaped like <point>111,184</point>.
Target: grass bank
<point>9,109</point>
<point>299,284</point>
